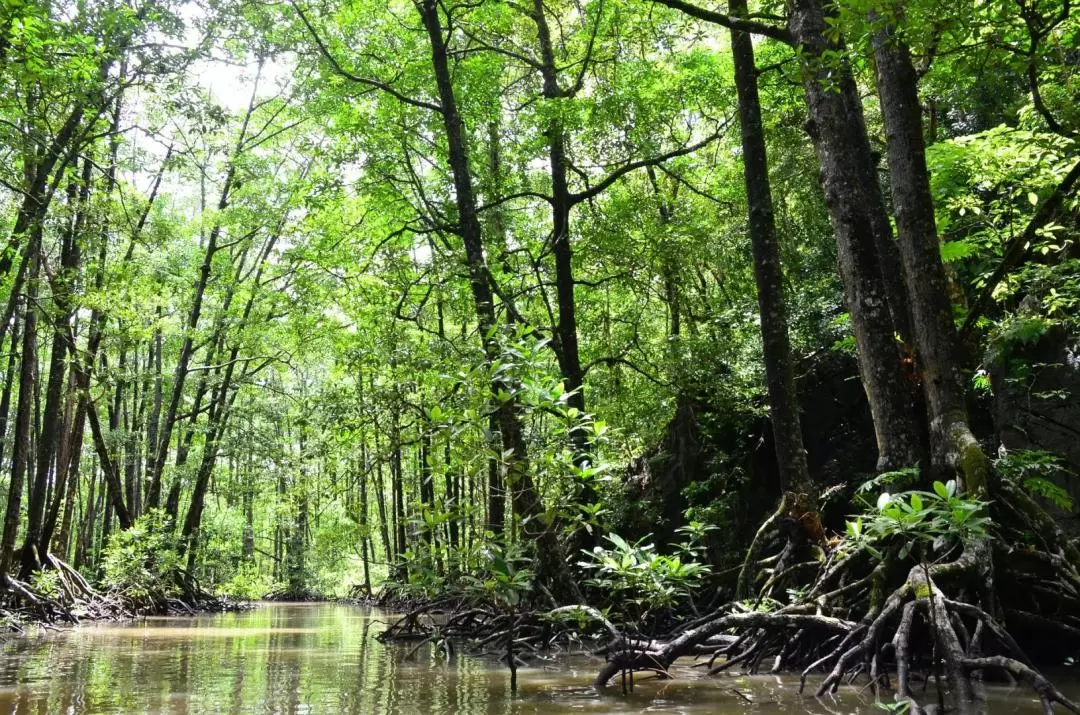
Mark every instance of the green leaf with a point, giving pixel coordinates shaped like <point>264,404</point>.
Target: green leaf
<point>952,251</point>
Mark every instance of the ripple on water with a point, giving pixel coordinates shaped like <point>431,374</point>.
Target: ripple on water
<point>322,658</point>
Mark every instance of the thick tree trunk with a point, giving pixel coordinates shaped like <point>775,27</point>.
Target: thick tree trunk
<point>839,137</point>
<point>561,205</point>
<point>927,284</point>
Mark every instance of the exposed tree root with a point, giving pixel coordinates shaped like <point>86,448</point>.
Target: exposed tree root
<point>945,620</point>
<point>302,595</point>
<point>74,600</point>
<point>483,630</point>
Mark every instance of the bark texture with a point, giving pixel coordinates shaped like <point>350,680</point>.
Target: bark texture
<point>839,136</point>
<point>772,305</point>
<point>928,288</point>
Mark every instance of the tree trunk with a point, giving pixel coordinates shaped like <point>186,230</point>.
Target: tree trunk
<point>187,348</point>
<point>927,284</point>
<point>561,206</point>
<point>110,470</point>
<point>450,483</point>
<point>39,527</point>
<point>9,383</point>
<point>154,419</point>
<point>363,519</point>
<point>427,490</point>
<point>496,490</point>
<point>86,529</point>
<point>550,566</point>
<point>397,489</point>
<point>24,406</point>
<point>839,137</point>
<point>69,460</point>
<point>772,304</point>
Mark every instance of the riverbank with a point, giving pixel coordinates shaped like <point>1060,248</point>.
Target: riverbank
<point>63,597</point>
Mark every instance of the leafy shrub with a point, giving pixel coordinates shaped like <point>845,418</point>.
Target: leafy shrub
<point>144,561</point>
<point>925,524</point>
<point>1033,469</point>
<point>506,580</point>
<point>47,583</point>
<point>635,574</point>
<point>246,583</point>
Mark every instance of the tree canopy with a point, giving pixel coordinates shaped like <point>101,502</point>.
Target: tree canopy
<point>313,296</point>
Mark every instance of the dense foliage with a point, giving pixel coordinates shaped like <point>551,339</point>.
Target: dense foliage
<point>311,297</point>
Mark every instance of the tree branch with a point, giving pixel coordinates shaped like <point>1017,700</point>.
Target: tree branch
<point>732,23</point>
<point>625,169</point>
<point>579,82</point>
<point>366,81</point>
<point>1020,247</point>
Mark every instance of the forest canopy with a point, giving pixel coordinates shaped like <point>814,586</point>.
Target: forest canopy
<point>643,305</point>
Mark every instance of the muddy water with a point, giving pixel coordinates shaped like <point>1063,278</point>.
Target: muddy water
<point>285,658</point>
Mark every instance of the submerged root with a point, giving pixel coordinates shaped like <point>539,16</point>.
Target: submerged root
<point>485,630</point>
<point>931,619</point>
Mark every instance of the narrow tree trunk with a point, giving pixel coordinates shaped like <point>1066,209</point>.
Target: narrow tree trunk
<point>384,523</point>
<point>154,418</point>
<point>427,478</point>
<point>772,304</point>
<point>450,480</point>
<point>46,449</point>
<point>106,528</point>
<point>39,526</point>
<point>24,407</point>
<point>364,521</point>
<point>496,490</point>
<point>68,460</point>
<point>110,470</point>
<point>550,564</point>
<point>86,530</point>
<point>187,348</point>
<point>9,383</point>
<point>397,488</point>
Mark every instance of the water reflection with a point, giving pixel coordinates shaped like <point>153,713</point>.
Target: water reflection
<point>294,659</point>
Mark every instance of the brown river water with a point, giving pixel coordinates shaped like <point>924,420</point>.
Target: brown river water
<point>323,658</point>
